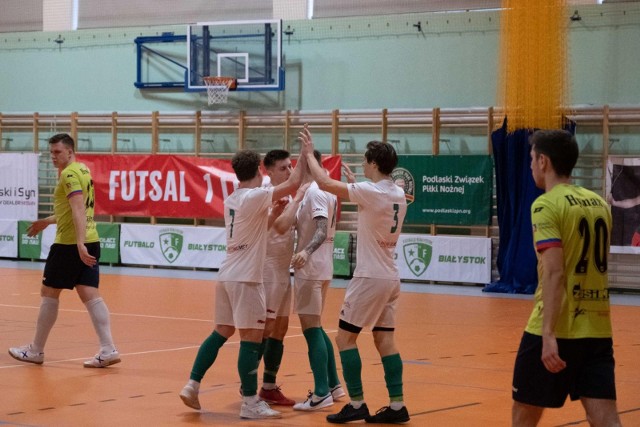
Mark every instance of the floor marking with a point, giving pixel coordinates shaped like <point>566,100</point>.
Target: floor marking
<point>415,362</point>
<point>573,423</point>
<point>445,409</point>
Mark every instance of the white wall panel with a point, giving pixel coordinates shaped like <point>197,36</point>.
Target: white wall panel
<point>20,15</point>
<point>123,13</point>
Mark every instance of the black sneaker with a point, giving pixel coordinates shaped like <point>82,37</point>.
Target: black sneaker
<point>386,415</point>
<point>349,413</point>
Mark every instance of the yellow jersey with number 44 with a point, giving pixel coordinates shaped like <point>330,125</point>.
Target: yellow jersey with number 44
<point>579,221</point>
<point>74,179</point>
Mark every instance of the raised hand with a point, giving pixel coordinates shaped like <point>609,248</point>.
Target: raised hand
<point>351,178</point>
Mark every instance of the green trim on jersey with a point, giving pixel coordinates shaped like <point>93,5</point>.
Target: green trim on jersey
<point>74,178</point>
<point>579,221</point>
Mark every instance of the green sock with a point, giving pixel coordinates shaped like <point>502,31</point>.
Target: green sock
<point>352,372</point>
<point>206,355</point>
<point>261,350</point>
<point>273,351</point>
<point>248,367</point>
<point>392,365</point>
<point>332,370</point>
<point>317,360</point>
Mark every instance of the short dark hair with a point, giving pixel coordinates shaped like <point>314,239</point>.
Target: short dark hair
<point>273,156</point>
<point>245,164</point>
<point>559,146</point>
<point>383,154</point>
<point>65,139</point>
<point>318,157</point>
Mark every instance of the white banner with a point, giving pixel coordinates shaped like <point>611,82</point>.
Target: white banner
<point>172,246</point>
<point>19,186</point>
<point>9,239</point>
<point>445,259</point>
<point>623,194</point>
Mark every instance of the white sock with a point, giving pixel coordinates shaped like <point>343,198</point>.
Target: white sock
<point>46,319</point>
<point>250,400</point>
<point>269,386</point>
<point>195,384</point>
<point>357,403</point>
<point>100,317</point>
<point>396,405</point>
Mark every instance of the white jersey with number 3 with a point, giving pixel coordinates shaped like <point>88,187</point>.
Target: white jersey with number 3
<point>246,212</point>
<point>381,210</point>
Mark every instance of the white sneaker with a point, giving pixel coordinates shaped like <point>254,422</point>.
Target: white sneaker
<point>24,354</point>
<point>313,403</point>
<point>258,410</point>
<point>102,360</point>
<point>189,396</point>
<point>337,393</point>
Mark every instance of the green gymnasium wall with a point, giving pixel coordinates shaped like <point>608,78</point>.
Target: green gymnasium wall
<point>348,63</point>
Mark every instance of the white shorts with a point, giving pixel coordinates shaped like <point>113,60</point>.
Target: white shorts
<point>371,302</point>
<point>310,296</point>
<point>278,297</point>
<point>240,304</point>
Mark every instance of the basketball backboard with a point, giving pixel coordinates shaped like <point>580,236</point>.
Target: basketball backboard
<point>249,51</point>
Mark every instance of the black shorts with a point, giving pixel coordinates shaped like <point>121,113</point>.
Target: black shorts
<point>64,269</point>
<point>589,372</point>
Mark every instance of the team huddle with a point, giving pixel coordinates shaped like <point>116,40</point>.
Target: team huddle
<point>566,349</point>
<point>254,294</point>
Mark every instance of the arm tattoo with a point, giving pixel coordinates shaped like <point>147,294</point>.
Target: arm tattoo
<point>319,236</point>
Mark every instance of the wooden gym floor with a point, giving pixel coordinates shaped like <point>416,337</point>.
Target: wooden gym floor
<point>458,347</point>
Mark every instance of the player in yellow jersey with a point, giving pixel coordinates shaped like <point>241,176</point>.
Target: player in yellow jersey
<point>73,259</point>
<point>567,347</point>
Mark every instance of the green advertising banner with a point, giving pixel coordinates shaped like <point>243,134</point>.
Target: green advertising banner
<point>109,243</point>
<point>28,247</point>
<point>341,258</point>
<point>446,190</point>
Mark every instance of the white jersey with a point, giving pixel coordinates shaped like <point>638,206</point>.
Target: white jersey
<point>279,253</point>
<point>381,210</point>
<point>316,203</point>
<point>245,219</point>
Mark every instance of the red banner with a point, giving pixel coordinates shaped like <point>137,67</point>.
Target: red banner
<point>166,186</point>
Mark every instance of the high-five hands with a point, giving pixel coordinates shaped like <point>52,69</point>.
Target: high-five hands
<point>306,142</point>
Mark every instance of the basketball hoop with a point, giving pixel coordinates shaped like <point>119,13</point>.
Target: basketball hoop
<point>218,88</point>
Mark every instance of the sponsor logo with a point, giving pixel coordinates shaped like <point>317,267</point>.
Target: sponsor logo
<point>339,253</point>
<point>171,241</point>
<point>417,254</point>
<point>403,179</point>
<point>18,192</point>
<point>108,243</point>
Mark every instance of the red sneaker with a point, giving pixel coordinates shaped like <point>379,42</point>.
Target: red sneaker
<point>275,397</point>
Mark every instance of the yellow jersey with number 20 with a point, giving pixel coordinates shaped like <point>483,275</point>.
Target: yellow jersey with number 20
<point>579,221</point>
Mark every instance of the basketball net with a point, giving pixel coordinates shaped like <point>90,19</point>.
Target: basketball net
<point>218,89</point>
